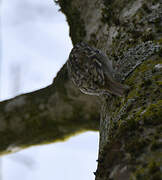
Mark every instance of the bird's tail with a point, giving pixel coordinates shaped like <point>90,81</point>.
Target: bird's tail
<point>117,88</point>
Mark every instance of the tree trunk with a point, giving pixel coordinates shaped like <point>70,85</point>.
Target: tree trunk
<point>129,32</point>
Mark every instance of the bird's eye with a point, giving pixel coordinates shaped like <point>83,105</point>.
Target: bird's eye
<point>97,51</point>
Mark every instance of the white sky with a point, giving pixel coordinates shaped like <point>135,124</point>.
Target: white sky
<point>35,36</point>
<point>35,42</point>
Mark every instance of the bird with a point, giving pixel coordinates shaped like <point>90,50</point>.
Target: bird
<point>92,72</point>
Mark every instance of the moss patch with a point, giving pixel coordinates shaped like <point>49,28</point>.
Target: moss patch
<point>150,170</point>
<point>134,131</point>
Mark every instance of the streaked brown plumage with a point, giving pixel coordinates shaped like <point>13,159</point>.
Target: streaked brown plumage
<point>92,72</point>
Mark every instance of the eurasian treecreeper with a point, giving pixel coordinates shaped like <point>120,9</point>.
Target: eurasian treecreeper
<point>92,72</point>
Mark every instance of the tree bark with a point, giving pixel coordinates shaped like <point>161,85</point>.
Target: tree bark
<point>129,32</point>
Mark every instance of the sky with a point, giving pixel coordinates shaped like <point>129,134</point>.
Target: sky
<point>35,38</point>
<point>35,45</point>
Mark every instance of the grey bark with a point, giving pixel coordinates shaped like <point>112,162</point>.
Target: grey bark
<point>129,32</point>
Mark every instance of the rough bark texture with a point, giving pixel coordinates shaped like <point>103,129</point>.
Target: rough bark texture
<point>129,32</point>
<point>47,115</point>
<point>131,127</point>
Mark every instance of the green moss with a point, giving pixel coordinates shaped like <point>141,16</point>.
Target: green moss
<point>145,78</point>
<point>150,115</point>
<point>153,114</point>
<point>129,125</point>
<point>159,83</point>
<point>150,171</point>
<point>160,41</point>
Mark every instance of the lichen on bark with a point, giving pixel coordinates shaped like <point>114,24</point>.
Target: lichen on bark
<point>129,32</point>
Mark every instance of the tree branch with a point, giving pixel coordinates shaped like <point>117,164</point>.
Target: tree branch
<point>51,114</point>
